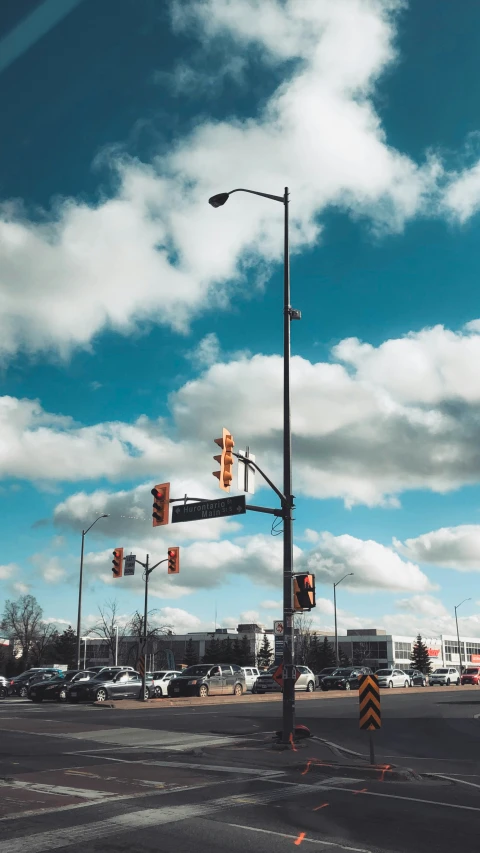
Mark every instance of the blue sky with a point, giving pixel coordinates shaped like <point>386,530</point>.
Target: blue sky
<point>136,322</point>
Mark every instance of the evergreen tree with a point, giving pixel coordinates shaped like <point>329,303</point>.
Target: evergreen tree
<point>227,651</point>
<point>236,652</point>
<point>66,647</point>
<point>246,656</point>
<point>343,658</point>
<point>265,653</point>
<point>190,657</point>
<point>213,651</point>
<point>419,658</point>
<point>313,651</point>
<point>326,656</point>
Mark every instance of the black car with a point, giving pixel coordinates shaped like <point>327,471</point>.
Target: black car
<point>328,670</point>
<point>205,679</point>
<point>55,689</point>
<point>417,678</point>
<point>345,678</point>
<point>125,684</point>
<point>19,686</point>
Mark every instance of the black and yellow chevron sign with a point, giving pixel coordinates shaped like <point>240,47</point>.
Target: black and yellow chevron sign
<point>369,696</point>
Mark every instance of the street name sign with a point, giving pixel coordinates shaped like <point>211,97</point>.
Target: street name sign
<point>209,509</point>
<point>129,568</point>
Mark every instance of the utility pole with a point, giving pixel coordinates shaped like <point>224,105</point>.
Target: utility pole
<point>335,613</point>
<point>80,589</point>
<point>143,640</point>
<point>458,634</point>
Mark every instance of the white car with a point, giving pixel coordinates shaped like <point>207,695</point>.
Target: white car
<point>445,676</point>
<point>251,674</point>
<point>392,678</point>
<point>161,679</point>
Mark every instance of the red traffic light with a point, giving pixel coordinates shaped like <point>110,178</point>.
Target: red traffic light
<point>173,561</point>
<point>117,564</point>
<point>161,496</point>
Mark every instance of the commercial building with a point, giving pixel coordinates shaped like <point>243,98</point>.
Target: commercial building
<point>375,648</point>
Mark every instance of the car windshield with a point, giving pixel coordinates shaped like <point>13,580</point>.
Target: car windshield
<point>471,670</point>
<point>343,671</point>
<point>159,674</point>
<point>198,669</point>
<point>440,671</point>
<point>383,672</point>
<point>409,671</point>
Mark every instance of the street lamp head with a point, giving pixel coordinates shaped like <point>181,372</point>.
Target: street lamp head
<point>106,515</point>
<point>219,199</point>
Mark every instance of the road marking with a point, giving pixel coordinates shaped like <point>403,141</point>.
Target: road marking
<point>304,839</point>
<point>58,789</point>
<point>452,779</point>
<point>213,767</point>
<point>67,836</point>
<point>411,800</point>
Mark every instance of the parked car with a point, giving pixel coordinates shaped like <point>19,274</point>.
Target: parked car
<point>471,675</point>
<point>251,674</point>
<point>328,670</point>
<point>392,678</point>
<point>266,683</point>
<point>19,685</point>
<point>417,678</point>
<point>345,678</point>
<point>55,689</point>
<point>125,684</point>
<point>3,687</point>
<point>204,679</point>
<point>115,668</point>
<point>444,676</point>
<point>161,679</point>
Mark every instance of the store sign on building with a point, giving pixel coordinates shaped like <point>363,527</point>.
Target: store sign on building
<point>433,653</point>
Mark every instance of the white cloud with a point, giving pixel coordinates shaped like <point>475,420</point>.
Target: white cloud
<point>374,566</point>
<point>271,604</point>
<point>448,547</point>
<point>250,616</point>
<point>49,567</point>
<point>462,194</point>
<point>207,351</point>
<point>155,252</point>
<point>11,574</point>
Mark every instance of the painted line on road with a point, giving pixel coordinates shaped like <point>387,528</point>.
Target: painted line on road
<point>42,788</point>
<point>213,767</point>
<point>146,818</point>
<point>305,838</point>
<point>452,779</point>
<point>410,800</point>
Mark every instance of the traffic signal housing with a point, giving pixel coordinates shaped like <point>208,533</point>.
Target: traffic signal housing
<point>225,460</point>
<point>161,497</point>
<point>303,592</point>
<point>117,564</point>
<point>173,561</point>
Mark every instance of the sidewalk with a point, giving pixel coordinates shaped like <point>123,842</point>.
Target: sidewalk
<point>164,702</point>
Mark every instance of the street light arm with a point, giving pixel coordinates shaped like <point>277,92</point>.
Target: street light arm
<point>342,579</point>
<point>255,192</point>
<point>462,602</point>
<point>94,522</point>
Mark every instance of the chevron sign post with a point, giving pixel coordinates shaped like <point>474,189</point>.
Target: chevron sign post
<point>370,714</point>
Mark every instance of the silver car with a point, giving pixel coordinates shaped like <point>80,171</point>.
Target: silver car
<point>392,678</point>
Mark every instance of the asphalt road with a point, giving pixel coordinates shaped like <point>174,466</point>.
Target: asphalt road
<point>185,779</point>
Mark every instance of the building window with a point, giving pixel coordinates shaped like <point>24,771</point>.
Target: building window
<point>403,651</point>
<point>473,648</point>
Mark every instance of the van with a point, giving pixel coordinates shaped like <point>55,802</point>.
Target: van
<point>251,674</point>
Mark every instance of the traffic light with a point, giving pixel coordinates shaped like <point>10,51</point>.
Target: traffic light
<point>161,495</point>
<point>117,565</point>
<point>173,561</point>
<point>303,592</point>
<point>225,460</point>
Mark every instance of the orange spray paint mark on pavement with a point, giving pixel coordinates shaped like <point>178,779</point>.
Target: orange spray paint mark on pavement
<point>384,768</point>
<point>323,806</point>
<point>313,762</point>
<point>293,747</point>
<point>300,838</point>
<point>360,791</point>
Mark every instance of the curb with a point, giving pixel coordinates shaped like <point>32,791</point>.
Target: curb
<point>376,772</point>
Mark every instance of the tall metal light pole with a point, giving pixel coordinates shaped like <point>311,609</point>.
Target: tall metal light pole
<point>458,635</point>
<point>335,612</point>
<point>289,313</point>
<point>116,644</point>
<point>80,586</point>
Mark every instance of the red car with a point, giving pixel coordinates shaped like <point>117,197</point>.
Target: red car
<point>471,675</point>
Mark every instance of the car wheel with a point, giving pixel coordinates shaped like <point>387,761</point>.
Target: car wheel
<point>424,683</point>
<point>457,682</point>
<point>146,695</point>
<point>447,682</point>
<point>347,685</point>
<point>101,695</point>
<point>203,691</point>
<point>390,684</point>
<point>158,692</point>
<point>406,684</point>
<point>62,696</point>
<point>3,692</point>
<point>23,692</point>
<point>238,690</point>
<point>310,687</point>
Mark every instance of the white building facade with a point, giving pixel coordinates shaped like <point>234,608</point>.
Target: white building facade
<point>379,649</point>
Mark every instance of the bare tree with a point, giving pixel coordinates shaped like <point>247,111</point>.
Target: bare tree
<point>43,646</point>
<point>303,633</point>
<point>105,628</point>
<point>22,622</point>
<point>155,636</point>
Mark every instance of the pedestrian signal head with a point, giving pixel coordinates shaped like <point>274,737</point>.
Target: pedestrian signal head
<point>173,561</point>
<point>161,495</point>
<point>225,460</point>
<point>304,592</point>
<point>117,564</point>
